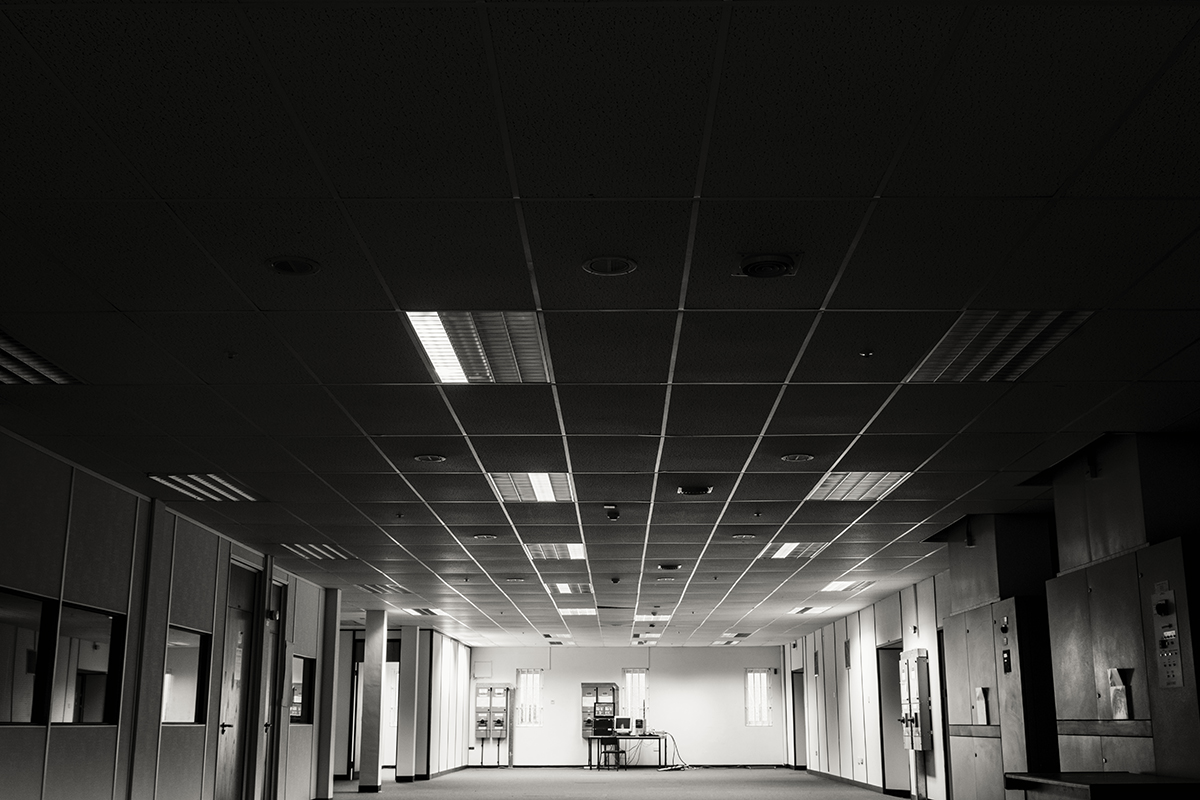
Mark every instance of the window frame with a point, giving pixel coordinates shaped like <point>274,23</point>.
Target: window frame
<point>759,697</point>
<point>203,673</point>
<point>528,712</point>
<point>627,707</point>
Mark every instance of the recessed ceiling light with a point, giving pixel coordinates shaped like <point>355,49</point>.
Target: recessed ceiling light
<point>694,490</point>
<point>577,612</point>
<point>514,580</point>
<point>569,588</point>
<point>726,643</point>
<point>205,487</point>
<point>429,458</point>
<point>423,612</point>
<point>791,550</point>
<point>743,536</point>
<point>317,552</point>
<point>797,458</point>
<point>809,609</point>
<point>556,552</point>
<point>668,567</point>
<point>609,266</point>
<point>382,588</point>
<point>293,266</point>
<point>664,578</point>
<point>651,617</point>
<point>532,487</point>
<point>857,485</point>
<point>775,265</point>
<point>846,586</point>
<point>485,536</point>
<point>482,346</point>
<point>866,352</point>
<point>20,365</point>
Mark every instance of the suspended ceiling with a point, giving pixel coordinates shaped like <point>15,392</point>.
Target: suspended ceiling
<point>921,164</point>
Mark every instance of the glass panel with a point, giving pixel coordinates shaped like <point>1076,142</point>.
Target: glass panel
<point>82,670</point>
<point>302,689</point>
<point>186,676</point>
<point>20,624</point>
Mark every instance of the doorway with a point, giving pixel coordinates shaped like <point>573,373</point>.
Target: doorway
<point>798,720</point>
<point>895,757</point>
<point>391,701</point>
<point>231,750</point>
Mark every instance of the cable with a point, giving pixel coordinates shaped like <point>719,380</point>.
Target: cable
<point>675,746</point>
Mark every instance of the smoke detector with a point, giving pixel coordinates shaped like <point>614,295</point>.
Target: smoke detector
<point>772,265</point>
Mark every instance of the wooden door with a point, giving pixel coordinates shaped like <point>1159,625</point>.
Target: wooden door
<point>231,750</point>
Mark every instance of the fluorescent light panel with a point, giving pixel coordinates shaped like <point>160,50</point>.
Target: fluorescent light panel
<point>382,588</point>
<point>577,612</point>
<point>569,588</point>
<point>651,617</point>
<point>482,346</point>
<point>995,345</point>
<point>318,552</point>
<point>791,549</point>
<point>556,552</point>
<point>423,612</point>
<point>204,487</point>
<point>809,609</point>
<point>846,586</point>
<point>533,487</point>
<point>20,365</point>
<point>857,485</point>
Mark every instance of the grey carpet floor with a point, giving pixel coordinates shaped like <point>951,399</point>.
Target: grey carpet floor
<point>713,783</point>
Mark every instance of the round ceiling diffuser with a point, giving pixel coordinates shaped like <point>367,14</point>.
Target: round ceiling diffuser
<point>609,266</point>
<point>774,265</point>
<point>294,266</point>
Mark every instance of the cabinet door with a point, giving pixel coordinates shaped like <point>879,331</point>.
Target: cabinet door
<point>962,767</point>
<point>1117,641</point>
<point>958,677</point>
<point>1071,646</point>
<point>981,661</point>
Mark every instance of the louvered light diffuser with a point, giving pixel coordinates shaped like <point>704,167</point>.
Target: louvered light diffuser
<point>556,552</point>
<point>423,612</point>
<point>995,345</point>
<point>482,346</point>
<point>382,588</point>
<point>577,612</point>
<point>569,588</point>
<point>206,487</point>
<point>857,485</point>
<point>846,586</point>
<point>809,609</point>
<point>791,550</point>
<point>20,365</point>
<point>317,552</point>
<point>651,617</point>
<point>533,487</point>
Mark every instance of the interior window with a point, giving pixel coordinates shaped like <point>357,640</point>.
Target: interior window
<point>184,696</point>
<point>20,635</point>
<point>87,666</point>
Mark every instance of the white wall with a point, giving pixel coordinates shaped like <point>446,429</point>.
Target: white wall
<point>696,694</point>
<point>846,718</point>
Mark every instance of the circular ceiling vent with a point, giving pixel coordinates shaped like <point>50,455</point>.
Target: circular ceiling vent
<point>294,266</point>
<point>609,266</point>
<point>797,458</point>
<point>429,458</point>
<point>774,265</point>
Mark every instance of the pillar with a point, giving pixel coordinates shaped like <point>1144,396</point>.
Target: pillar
<point>327,713</point>
<point>370,777</point>
<point>406,709</point>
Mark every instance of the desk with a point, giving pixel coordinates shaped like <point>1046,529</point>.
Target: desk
<point>661,738</point>
<point>1100,785</point>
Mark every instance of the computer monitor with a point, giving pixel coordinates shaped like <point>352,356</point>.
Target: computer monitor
<point>621,725</point>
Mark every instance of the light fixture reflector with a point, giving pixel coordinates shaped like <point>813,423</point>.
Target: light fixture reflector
<point>424,612</point>
<point>846,586</point>
<point>204,487</point>
<point>577,612</point>
<point>857,485</point>
<point>482,346</point>
<point>556,552</point>
<point>651,617</point>
<point>533,487</point>
<point>791,550</point>
<point>809,609</point>
<point>318,552</point>
<point>20,365</point>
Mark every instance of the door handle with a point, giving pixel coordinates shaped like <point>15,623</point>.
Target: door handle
<point>266,726</point>
<point>225,725</point>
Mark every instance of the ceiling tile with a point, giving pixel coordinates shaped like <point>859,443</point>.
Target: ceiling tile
<point>891,453</point>
<point>834,408</point>
<point>729,410</point>
<point>369,488</point>
<point>596,347</point>
<point>936,408</point>
<point>894,341</point>
<point>506,409</point>
<point>335,453</point>
<point>400,410</point>
<point>225,348</point>
<point>739,346</point>
<point>521,453</point>
<point>614,410</point>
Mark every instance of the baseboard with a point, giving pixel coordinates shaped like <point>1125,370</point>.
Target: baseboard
<point>370,789</point>
<point>860,784</point>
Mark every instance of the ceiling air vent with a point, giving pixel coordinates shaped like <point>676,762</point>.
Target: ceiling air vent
<point>995,345</point>
<point>556,552</point>
<point>482,346</point>
<point>857,485</point>
<point>773,265</point>
<point>206,487</point>
<point>608,266</point>
<point>20,365</point>
<point>318,552</point>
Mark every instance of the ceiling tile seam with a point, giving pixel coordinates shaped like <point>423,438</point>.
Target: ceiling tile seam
<point>1166,257</point>
<point>714,92</point>
<point>1102,142</point>
<point>812,329</point>
<point>277,88</point>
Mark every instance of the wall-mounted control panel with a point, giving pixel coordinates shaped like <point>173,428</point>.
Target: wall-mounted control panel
<point>492,710</point>
<point>914,700</point>
<point>1166,635</point>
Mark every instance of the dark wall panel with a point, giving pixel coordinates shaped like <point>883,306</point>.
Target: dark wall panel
<point>180,762</point>
<point>35,492</point>
<point>100,544</point>
<point>1117,633</point>
<point>958,676</point>
<point>22,754</point>
<point>1071,646</point>
<point>80,762</point>
<point>133,646</point>
<point>1116,521</point>
<point>832,701</point>
<point>973,577</point>
<point>194,576</point>
<point>1080,754</point>
<point>887,620</point>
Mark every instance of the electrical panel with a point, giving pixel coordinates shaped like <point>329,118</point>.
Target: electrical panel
<point>492,710</point>
<point>914,700</point>
<point>1166,636</point>
<point>599,705</point>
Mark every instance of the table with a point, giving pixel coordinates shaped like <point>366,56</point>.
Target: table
<point>660,737</point>
<point>1100,785</point>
